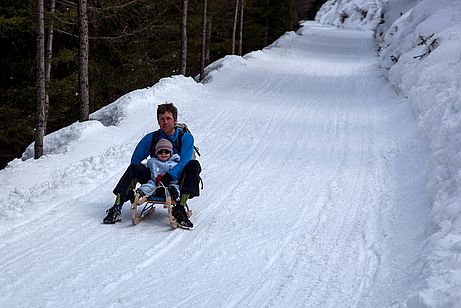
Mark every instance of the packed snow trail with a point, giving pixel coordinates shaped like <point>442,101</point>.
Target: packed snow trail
<point>314,176</point>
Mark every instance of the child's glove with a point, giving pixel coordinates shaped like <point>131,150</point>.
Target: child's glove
<point>166,179</point>
<point>158,178</point>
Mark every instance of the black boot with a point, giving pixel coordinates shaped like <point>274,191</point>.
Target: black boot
<point>113,215</point>
<point>179,213</point>
<point>115,212</point>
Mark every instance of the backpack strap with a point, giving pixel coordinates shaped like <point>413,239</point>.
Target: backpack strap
<point>155,138</point>
<point>178,144</point>
<point>183,129</point>
<point>179,140</point>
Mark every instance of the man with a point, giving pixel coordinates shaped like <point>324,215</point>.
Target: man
<point>186,171</point>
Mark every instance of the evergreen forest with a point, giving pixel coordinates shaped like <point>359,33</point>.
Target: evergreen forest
<point>132,44</point>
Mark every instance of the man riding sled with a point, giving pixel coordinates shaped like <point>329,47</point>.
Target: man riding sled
<point>186,172</point>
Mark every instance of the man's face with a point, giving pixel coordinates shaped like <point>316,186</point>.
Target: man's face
<point>166,123</point>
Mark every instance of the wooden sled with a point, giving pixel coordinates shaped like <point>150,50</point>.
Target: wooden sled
<point>149,203</point>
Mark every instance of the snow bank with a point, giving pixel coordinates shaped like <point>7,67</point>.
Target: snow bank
<point>420,49</point>
<point>422,56</point>
<point>355,14</point>
<point>213,69</point>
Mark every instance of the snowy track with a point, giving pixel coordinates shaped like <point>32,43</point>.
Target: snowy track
<point>313,170</point>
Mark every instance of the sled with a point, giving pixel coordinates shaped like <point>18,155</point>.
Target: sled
<point>148,204</point>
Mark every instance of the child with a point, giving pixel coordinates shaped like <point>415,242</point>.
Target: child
<point>158,166</point>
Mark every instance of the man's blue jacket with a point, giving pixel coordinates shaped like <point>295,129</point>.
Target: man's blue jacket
<point>142,150</point>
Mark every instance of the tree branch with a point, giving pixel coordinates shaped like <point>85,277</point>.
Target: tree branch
<point>117,7</point>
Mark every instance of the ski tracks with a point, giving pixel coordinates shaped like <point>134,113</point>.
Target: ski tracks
<point>300,175</point>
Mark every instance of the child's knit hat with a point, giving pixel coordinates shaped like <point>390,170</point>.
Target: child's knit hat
<point>163,144</point>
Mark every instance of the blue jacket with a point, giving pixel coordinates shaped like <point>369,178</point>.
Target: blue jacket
<point>142,150</point>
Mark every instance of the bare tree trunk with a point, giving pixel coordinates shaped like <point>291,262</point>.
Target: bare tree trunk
<point>293,16</point>
<point>83,61</point>
<point>208,40</point>
<point>49,54</point>
<point>204,32</point>
<point>41,90</point>
<point>234,26</point>
<point>266,31</point>
<point>183,56</point>
<point>242,4</point>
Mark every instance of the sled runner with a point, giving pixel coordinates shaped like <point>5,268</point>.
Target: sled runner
<point>149,203</point>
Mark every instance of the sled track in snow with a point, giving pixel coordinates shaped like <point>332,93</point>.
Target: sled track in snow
<point>304,164</point>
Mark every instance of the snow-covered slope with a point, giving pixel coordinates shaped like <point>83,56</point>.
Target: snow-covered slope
<point>356,14</point>
<point>314,196</point>
<point>428,74</point>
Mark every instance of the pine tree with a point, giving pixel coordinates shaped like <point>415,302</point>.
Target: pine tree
<point>41,93</point>
<point>49,56</point>
<point>83,82</point>
<point>203,52</point>
<point>242,4</point>
<point>183,57</point>
<point>234,25</point>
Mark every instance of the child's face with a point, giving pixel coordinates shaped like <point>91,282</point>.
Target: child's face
<point>163,155</point>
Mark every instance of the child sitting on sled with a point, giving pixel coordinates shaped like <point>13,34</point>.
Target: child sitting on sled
<point>159,166</point>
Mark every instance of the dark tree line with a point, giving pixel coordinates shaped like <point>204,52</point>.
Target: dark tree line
<point>131,44</point>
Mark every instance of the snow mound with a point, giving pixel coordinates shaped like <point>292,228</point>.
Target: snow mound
<point>355,14</point>
<point>212,70</point>
<point>421,55</point>
<point>58,142</point>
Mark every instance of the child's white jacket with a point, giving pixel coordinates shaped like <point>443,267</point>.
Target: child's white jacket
<point>158,167</point>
